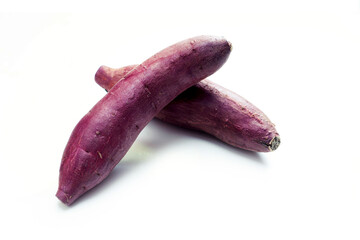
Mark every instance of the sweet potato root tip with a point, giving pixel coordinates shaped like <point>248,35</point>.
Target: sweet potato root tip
<point>102,73</point>
<point>63,197</point>
<point>275,143</point>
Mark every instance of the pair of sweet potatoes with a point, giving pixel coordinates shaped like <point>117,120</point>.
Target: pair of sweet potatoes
<point>104,135</point>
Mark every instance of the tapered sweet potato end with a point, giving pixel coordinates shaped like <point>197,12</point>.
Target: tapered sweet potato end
<point>103,76</point>
<point>67,199</point>
<point>265,144</point>
<point>274,143</point>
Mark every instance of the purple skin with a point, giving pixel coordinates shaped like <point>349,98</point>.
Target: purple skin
<point>105,134</point>
<point>213,109</point>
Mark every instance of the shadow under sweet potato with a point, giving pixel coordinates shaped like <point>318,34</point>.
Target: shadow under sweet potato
<point>168,133</point>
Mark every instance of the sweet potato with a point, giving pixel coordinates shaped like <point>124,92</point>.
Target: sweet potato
<point>213,109</point>
<point>104,135</point>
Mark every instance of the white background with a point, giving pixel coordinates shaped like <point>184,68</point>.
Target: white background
<point>298,61</point>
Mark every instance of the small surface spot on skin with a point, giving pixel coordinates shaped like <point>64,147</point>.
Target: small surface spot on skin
<point>153,105</point>
<point>67,197</point>
<point>148,91</point>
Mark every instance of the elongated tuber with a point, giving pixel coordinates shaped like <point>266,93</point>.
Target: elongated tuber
<point>104,135</point>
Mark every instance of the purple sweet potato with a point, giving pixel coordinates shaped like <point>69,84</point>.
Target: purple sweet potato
<point>104,135</point>
<point>213,109</point>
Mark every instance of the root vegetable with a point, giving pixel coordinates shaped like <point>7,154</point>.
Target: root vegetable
<point>104,135</point>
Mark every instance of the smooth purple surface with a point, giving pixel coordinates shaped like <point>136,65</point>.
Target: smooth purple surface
<point>104,135</point>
